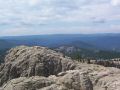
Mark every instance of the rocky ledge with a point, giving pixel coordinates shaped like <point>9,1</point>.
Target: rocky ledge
<point>39,68</point>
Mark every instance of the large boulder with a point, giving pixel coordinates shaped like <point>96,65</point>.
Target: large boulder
<point>110,82</point>
<point>75,80</point>
<point>26,61</point>
<point>107,80</point>
<point>32,83</point>
<point>70,80</point>
<point>103,78</point>
<point>39,68</point>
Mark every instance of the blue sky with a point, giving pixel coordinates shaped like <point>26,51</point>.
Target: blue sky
<point>27,17</point>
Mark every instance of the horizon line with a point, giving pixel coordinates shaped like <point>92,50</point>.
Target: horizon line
<point>58,34</point>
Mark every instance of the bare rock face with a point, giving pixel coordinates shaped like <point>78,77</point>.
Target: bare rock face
<point>108,79</point>
<point>76,80</point>
<point>39,68</point>
<point>32,83</point>
<point>103,78</point>
<point>71,80</point>
<point>26,61</point>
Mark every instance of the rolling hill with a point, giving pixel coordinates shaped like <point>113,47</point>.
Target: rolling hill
<point>97,41</point>
<point>87,45</point>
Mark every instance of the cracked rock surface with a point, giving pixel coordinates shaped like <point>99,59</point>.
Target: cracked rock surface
<point>39,68</point>
<point>72,80</point>
<point>26,61</point>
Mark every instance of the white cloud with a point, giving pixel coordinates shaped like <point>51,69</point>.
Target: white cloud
<point>115,2</point>
<point>57,14</point>
<point>14,32</point>
<point>33,2</point>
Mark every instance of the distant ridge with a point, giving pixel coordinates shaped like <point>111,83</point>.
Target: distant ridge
<point>4,44</point>
<point>106,41</point>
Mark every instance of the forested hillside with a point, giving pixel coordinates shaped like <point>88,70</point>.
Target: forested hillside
<point>79,53</point>
<point>2,55</point>
<point>98,46</point>
<point>87,41</point>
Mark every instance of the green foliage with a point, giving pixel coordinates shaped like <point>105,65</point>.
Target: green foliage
<point>75,55</point>
<point>108,54</point>
<point>2,55</point>
<point>93,54</point>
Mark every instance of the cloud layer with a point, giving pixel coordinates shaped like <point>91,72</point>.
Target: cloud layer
<point>18,17</point>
